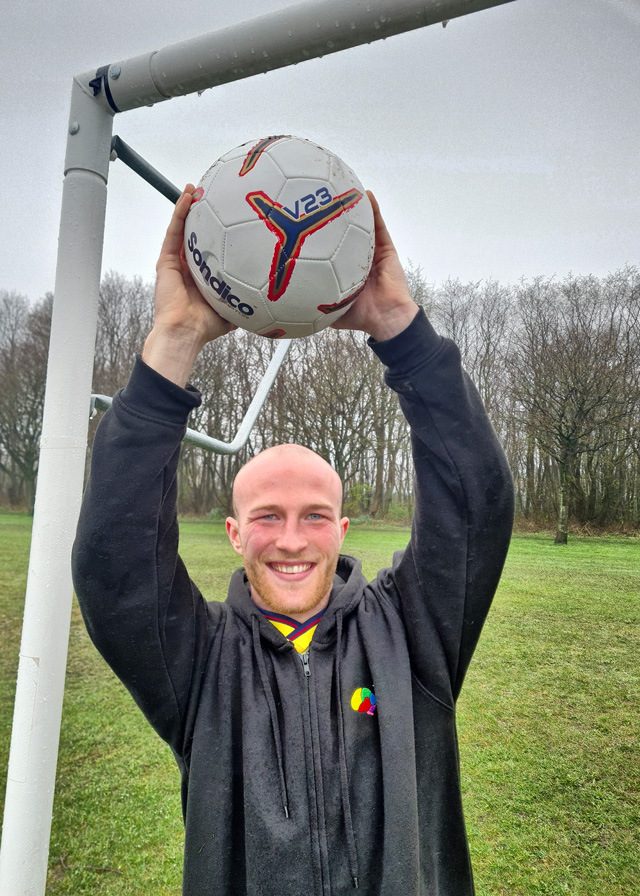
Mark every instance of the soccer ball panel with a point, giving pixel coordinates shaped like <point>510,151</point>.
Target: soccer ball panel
<point>353,258</point>
<point>252,151</point>
<point>361,215</point>
<point>341,176</point>
<point>296,157</point>
<point>323,243</point>
<point>238,152</point>
<point>227,193</point>
<point>331,313</point>
<point>289,331</point>
<point>252,267</point>
<point>312,283</point>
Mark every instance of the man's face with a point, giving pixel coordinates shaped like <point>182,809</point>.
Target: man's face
<point>288,529</point>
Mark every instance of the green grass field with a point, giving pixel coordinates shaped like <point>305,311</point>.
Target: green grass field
<point>549,727</point>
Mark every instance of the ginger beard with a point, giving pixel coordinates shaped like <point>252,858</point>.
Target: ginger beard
<point>290,599</point>
<point>288,529</point>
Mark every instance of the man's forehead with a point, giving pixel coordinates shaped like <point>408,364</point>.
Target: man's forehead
<point>281,466</point>
<point>282,457</point>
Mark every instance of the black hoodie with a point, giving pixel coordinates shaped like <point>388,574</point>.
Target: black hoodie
<point>287,790</point>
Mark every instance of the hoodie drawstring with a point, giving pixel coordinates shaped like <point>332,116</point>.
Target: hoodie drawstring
<point>275,724</point>
<point>344,779</point>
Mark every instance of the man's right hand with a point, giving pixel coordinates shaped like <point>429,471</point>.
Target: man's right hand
<point>184,321</point>
<point>384,308</point>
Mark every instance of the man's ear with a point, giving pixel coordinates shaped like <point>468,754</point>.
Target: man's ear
<point>233,531</point>
<point>344,525</point>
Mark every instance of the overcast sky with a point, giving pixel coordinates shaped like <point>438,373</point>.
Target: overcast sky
<point>506,145</point>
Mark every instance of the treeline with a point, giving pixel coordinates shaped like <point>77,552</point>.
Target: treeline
<point>557,364</point>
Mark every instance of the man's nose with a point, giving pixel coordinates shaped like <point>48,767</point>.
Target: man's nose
<point>291,537</point>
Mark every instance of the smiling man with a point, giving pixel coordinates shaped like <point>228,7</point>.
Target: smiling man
<point>288,528</point>
<point>311,714</point>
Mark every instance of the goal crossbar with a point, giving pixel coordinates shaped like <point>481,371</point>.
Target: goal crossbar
<point>286,37</point>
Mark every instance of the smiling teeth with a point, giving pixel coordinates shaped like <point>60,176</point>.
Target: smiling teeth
<point>291,570</point>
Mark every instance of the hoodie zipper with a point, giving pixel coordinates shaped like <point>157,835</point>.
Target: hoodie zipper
<point>306,668</point>
<point>304,657</point>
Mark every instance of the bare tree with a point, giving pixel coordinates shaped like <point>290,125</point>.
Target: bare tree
<point>570,366</point>
<point>557,366</point>
<point>23,364</point>
<point>322,399</point>
<point>125,316</point>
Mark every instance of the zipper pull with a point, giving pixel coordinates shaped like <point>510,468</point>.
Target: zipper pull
<point>304,657</point>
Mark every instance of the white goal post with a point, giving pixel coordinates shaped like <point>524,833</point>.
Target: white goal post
<point>293,35</point>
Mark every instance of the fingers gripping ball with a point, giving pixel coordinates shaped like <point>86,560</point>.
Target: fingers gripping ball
<point>280,237</point>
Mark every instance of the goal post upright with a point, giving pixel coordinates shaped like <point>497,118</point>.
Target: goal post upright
<point>45,631</point>
<point>308,30</point>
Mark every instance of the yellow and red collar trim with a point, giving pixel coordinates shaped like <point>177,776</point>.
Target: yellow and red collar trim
<point>299,633</point>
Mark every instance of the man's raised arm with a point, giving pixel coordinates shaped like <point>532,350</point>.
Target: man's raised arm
<point>142,611</point>
<point>184,321</point>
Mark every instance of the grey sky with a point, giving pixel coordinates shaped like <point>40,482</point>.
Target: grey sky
<point>505,145</point>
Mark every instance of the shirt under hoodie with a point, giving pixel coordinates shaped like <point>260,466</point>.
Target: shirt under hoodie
<point>306,774</point>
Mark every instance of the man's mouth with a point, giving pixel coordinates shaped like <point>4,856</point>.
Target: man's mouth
<point>291,568</point>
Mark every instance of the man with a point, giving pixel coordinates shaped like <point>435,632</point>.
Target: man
<point>309,767</point>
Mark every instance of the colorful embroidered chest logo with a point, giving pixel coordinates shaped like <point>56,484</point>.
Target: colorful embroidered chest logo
<point>363,700</point>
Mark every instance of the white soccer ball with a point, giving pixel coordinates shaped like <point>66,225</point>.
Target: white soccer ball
<point>279,238</point>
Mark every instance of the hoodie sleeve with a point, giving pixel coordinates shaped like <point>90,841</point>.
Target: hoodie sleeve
<point>141,610</point>
<point>446,579</point>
